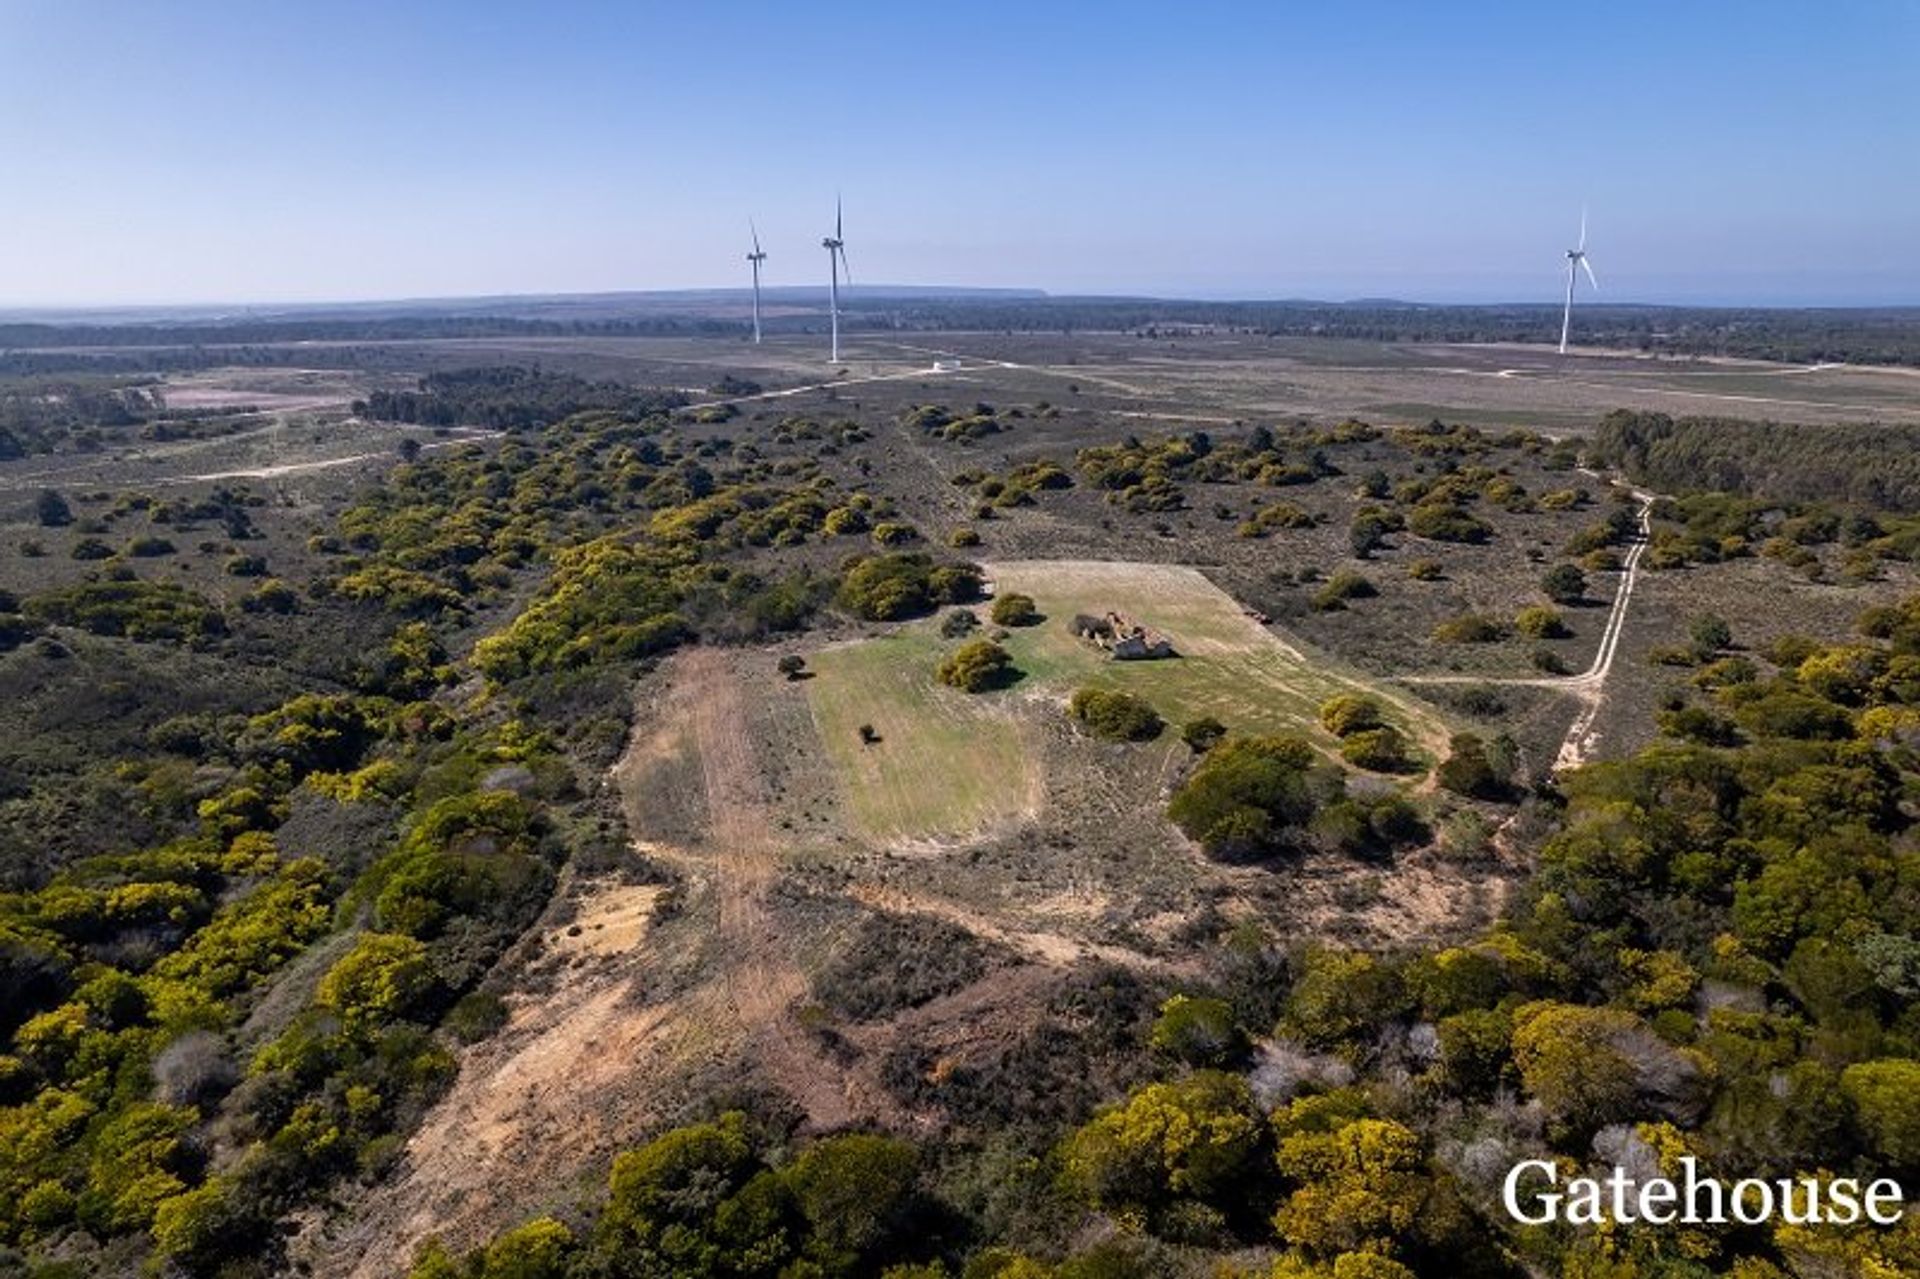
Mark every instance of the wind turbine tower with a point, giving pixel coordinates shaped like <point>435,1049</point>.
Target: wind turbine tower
<point>756,258</point>
<point>1576,262</point>
<point>836,247</point>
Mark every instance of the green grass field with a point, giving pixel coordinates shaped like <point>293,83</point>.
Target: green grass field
<point>950,763</point>
<point>947,763</point>
<point>1229,666</point>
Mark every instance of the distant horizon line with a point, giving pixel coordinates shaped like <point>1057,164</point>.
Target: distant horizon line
<point>58,314</point>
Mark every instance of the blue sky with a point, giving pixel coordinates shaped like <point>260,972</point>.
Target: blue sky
<point>196,150</point>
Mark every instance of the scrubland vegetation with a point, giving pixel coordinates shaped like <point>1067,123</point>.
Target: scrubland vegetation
<point>280,828</point>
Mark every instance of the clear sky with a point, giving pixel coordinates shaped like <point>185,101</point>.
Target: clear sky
<point>205,150</point>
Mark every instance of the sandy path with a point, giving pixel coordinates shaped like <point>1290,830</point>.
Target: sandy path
<point>736,868</point>
<point>591,1061</point>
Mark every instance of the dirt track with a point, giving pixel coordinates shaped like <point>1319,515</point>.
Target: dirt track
<point>588,1063</point>
<point>1589,687</point>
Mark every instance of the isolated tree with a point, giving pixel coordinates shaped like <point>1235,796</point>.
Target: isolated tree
<point>409,449</point>
<point>1564,584</point>
<point>792,665</point>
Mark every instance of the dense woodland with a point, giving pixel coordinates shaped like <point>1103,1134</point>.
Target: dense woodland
<point>1876,467</point>
<point>508,399</point>
<point>1715,955</point>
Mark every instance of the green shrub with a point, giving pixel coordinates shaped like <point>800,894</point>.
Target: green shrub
<point>1469,628</point>
<point>977,667</point>
<point>1540,622</point>
<point>1342,586</point>
<point>1279,515</point>
<point>385,977</point>
<point>1378,750</point>
<point>1119,717</point>
<point>1564,584</point>
<point>1014,609</point>
<point>1199,1031</point>
<point>137,610</point>
<point>960,623</point>
<point>1350,713</point>
<point>1468,769</point>
<point>1203,734</point>
<point>1444,522</point>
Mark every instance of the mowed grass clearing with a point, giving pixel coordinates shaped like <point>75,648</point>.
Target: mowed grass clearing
<point>950,763</point>
<point>947,763</point>
<point>1229,666</point>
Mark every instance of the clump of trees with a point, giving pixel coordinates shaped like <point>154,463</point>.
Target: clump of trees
<point>1248,797</point>
<point>885,588</point>
<point>712,1198</point>
<point>510,398</point>
<point>135,609</point>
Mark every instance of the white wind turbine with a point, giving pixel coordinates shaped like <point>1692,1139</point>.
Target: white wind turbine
<point>756,258</point>
<point>836,248</point>
<point>1576,261</point>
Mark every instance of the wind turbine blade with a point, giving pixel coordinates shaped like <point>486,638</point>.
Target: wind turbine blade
<point>837,234</point>
<point>1583,228</point>
<point>845,268</point>
<point>1591,279</point>
<point>755,233</point>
